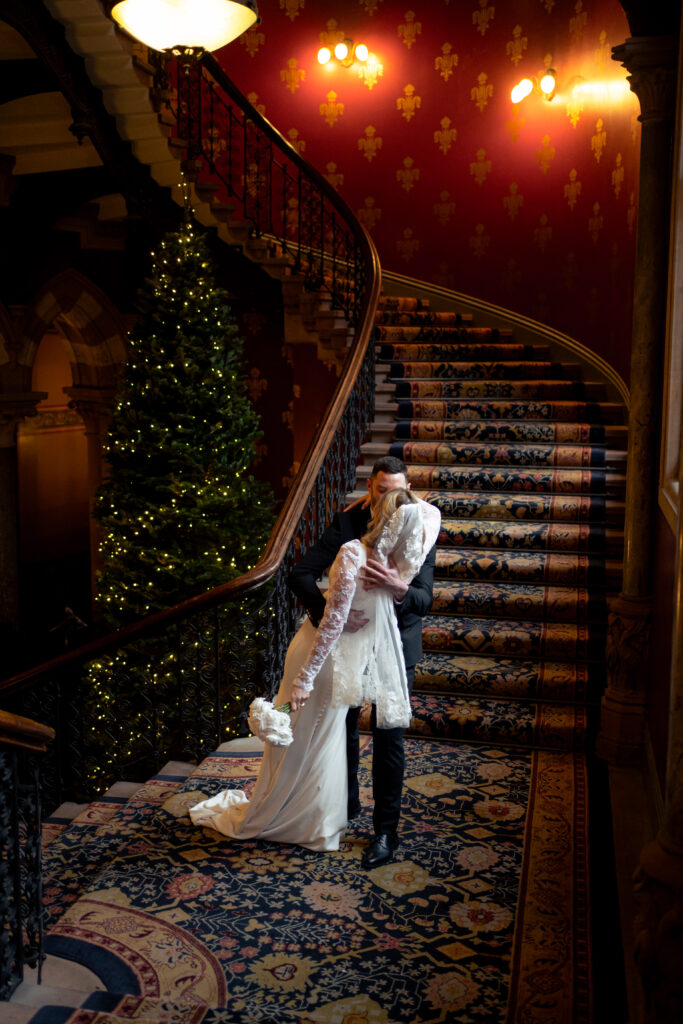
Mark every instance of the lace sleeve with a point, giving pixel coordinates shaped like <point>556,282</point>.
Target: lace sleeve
<point>343,576</point>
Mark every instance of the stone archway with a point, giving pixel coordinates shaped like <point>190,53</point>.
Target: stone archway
<point>93,331</point>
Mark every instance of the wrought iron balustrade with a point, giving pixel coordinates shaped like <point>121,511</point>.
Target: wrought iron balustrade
<point>205,659</point>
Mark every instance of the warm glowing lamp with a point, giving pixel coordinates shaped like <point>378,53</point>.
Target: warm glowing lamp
<point>547,84</point>
<point>341,51</point>
<point>324,55</point>
<point>521,90</point>
<point>197,24</point>
<point>362,52</point>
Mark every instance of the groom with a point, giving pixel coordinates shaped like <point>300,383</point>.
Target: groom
<point>412,601</point>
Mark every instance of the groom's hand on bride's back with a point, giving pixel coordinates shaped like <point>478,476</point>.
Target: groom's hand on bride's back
<point>355,621</point>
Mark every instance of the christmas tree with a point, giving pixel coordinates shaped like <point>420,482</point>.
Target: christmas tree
<point>179,512</point>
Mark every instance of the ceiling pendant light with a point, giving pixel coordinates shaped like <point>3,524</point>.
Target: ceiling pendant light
<point>195,24</point>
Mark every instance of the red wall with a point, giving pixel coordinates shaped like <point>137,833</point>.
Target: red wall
<point>559,254</point>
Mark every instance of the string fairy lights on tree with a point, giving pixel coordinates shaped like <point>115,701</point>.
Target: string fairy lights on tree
<point>179,511</point>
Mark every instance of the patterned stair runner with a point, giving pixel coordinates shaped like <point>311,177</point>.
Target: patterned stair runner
<point>525,460</point>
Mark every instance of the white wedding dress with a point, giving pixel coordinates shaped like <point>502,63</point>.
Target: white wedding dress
<point>300,796</point>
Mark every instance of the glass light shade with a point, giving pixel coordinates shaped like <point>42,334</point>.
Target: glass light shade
<point>324,55</point>
<point>162,24</point>
<point>362,52</point>
<point>341,51</point>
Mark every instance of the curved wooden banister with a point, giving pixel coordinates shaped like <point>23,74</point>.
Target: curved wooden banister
<point>304,483</point>
<point>24,733</point>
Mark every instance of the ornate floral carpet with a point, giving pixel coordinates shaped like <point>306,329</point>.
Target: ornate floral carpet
<point>483,916</point>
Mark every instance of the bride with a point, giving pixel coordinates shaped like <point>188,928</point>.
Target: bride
<point>300,795</point>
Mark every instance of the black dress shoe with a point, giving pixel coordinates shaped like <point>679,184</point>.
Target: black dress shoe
<point>380,851</point>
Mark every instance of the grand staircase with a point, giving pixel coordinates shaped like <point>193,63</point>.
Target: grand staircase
<point>525,460</point>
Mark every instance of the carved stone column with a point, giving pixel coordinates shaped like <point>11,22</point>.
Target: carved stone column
<point>95,406</point>
<point>651,62</point>
<point>13,408</point>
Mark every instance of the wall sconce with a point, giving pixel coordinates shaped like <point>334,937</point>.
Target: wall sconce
<point>545,83</point>
<point>345,53</point>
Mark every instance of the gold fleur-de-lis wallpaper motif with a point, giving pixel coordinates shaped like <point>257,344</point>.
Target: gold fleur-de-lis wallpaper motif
<point>293,75</point>
<point>599,140</point>
<point>444,209</point>
<point>446,62</point>
<point>445,136</point>
<point>256,384</point>
<point>334,176</point>
<point>252,40</point>
<point>482,91</point>
<point>515,124</point>
<point>331,110</point>
<point>369,214</point>
<point>409,102</point>
<point>371,144</point>
<point>364,118</point>
<point>543,233</point>
<point>410,30</point>
<point>254,100</point>
<point>572,190</point>
<point>546,154</point>
<point>408,174</point>
<point>370,72</point>
<point>517,45</point>
<point>483,16</point>
<point>595,223</point>
<point>577,22</point>
<point>479,241</point>
<point>292,8</point>
<point>618,175</point>
<point>574,108</point>
<point>481,167</point>
<point>298,144</point>
<point>513,201</point>
<point>407,246</point>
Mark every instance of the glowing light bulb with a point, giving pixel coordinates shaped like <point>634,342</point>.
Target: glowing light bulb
<point>362,52</point>
<point>341,51</point>
<point>324,55</point>
<point>547,84</point>
<point>521,90</point>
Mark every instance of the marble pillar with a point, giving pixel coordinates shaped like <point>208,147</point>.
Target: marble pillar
<point>651,63</point>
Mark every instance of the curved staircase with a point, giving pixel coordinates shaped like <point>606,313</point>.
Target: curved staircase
<point>525,460</point>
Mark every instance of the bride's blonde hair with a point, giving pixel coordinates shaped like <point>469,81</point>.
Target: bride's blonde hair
<point>384,510</point>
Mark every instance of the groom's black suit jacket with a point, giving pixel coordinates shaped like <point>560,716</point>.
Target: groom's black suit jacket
<point>344,527</point>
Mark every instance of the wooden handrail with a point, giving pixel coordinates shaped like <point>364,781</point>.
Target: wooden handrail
<point>24,733</point>
<point>295,503</point>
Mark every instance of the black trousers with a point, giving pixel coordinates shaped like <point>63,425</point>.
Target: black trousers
<point>388,764</point>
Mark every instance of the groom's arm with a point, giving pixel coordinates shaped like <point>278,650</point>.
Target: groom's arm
<point>303,579</point>
<point>418,600</point>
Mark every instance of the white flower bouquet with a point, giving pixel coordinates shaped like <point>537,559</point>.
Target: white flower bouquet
<point>269,723</point>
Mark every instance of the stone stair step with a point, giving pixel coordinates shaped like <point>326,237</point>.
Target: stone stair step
<point>436,333</point>
<point>514,600</point>
<point>515,454</point>
<point>507,478</point>
<point>520,679</point>
<point>514,638</point>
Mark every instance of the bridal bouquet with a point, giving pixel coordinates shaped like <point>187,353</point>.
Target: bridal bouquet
<point>269,723</point>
